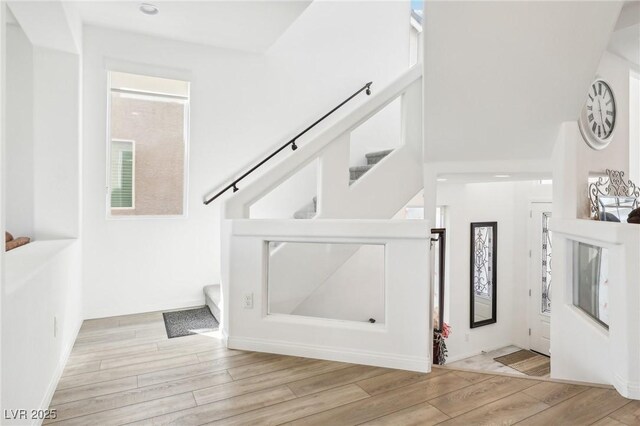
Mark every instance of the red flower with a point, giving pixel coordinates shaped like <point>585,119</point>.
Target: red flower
<point>446,330</point>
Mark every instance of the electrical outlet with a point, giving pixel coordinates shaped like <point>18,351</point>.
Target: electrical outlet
<point>247,301</point>
<point>55,326</point>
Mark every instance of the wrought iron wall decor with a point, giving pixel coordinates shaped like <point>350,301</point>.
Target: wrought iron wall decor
<point>613,185</point>
<point>484,250</point>
<point>546,264</point>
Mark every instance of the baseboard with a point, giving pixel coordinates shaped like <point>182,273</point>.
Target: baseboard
<point>148,308</point>
<point>62,362</point>
<point>376,359</point>
<point>625,388</point>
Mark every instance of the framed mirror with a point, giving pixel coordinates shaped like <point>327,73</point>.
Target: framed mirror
<point>484,250</point>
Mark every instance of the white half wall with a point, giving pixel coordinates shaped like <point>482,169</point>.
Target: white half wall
<point>41,316</point>
<point>403,341</point>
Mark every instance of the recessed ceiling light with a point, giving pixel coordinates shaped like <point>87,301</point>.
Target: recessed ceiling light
<point>442,179</point>
<point>148,9</point>
<point>502,176</point>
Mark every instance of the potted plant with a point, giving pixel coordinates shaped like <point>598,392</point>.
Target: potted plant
<point>439,344</point>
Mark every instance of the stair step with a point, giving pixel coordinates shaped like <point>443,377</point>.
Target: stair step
<point>357,171</point>
<point>212,298</point>
<point>375,157</point>
<point>308,211</point>
<point>304,215</point>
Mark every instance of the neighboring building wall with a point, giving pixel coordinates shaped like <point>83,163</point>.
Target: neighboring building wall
<point>158,132</point>
<point>242,105</point>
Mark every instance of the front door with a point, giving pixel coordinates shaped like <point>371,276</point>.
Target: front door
<point>540,280</point>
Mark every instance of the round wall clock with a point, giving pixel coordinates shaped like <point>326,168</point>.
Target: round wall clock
<point>598,117</point>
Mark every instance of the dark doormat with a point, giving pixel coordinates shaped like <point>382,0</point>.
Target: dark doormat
<point>191,321</point>
<point>527,362</point>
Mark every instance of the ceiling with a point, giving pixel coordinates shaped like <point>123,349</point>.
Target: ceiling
<point>245,25</point>
<point>501,77</point>
<point>625,40</point>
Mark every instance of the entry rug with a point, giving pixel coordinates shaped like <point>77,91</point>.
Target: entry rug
<point>191,321</point>
<point>527,362</point>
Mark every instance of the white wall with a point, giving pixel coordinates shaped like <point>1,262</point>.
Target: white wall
<point>42,281</point>
<point>242,105</point>
<point>616,155</point>
<point>354,292</point>
<point>19,133</point>
<point>57,117</point>
<point>508,204</point>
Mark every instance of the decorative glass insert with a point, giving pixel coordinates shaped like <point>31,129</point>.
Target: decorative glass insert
<point>591,281</point>
<point>484,250</point>
<point>483,261</point>
<point>546,264</point>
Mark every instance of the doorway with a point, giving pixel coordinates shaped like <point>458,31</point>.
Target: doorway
<point>540,278</point>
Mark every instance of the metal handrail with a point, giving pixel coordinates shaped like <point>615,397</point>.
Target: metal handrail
<point>292,142</point>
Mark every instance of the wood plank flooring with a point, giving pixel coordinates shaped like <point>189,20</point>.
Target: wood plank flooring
<point>124,370</point>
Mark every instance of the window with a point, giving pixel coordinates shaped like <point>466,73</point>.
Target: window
<point>591,281</point>
<point>122,174</point>
<point>417,14</point>
<point>147,144</point>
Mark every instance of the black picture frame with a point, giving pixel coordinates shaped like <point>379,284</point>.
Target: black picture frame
<point>442,249</point>
<point>493,271</point>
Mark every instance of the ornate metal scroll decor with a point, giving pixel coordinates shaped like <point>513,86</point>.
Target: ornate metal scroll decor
<point>613,185</point>
<point>546,264</point>
<point>483,252</point>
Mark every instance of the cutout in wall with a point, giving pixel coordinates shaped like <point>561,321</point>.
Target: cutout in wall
<point>338,281</point>
<point>296,197</point>
<point>375,138</point>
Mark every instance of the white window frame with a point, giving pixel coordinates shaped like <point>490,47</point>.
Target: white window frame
<point>187,139</point>
<point>133,174</point>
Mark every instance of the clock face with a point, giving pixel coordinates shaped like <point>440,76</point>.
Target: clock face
<point>600,110</point>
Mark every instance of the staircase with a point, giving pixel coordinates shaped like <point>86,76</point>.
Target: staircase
<point>309,211</point>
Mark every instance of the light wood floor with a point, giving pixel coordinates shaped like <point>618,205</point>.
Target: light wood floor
<point>124,370</point>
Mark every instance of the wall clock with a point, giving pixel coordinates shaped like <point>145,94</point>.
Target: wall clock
<point>598,117</point>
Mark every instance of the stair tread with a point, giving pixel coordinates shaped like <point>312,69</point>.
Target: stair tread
<point>304,215</point>
<point>379,153</point>
<point>361,168</point>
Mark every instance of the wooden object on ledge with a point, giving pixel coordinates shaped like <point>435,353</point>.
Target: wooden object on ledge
<point>15,243</point>
<point>7,237</point>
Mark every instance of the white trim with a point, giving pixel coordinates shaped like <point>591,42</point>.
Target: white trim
<point>630,390</point>
<point>329,353</point>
